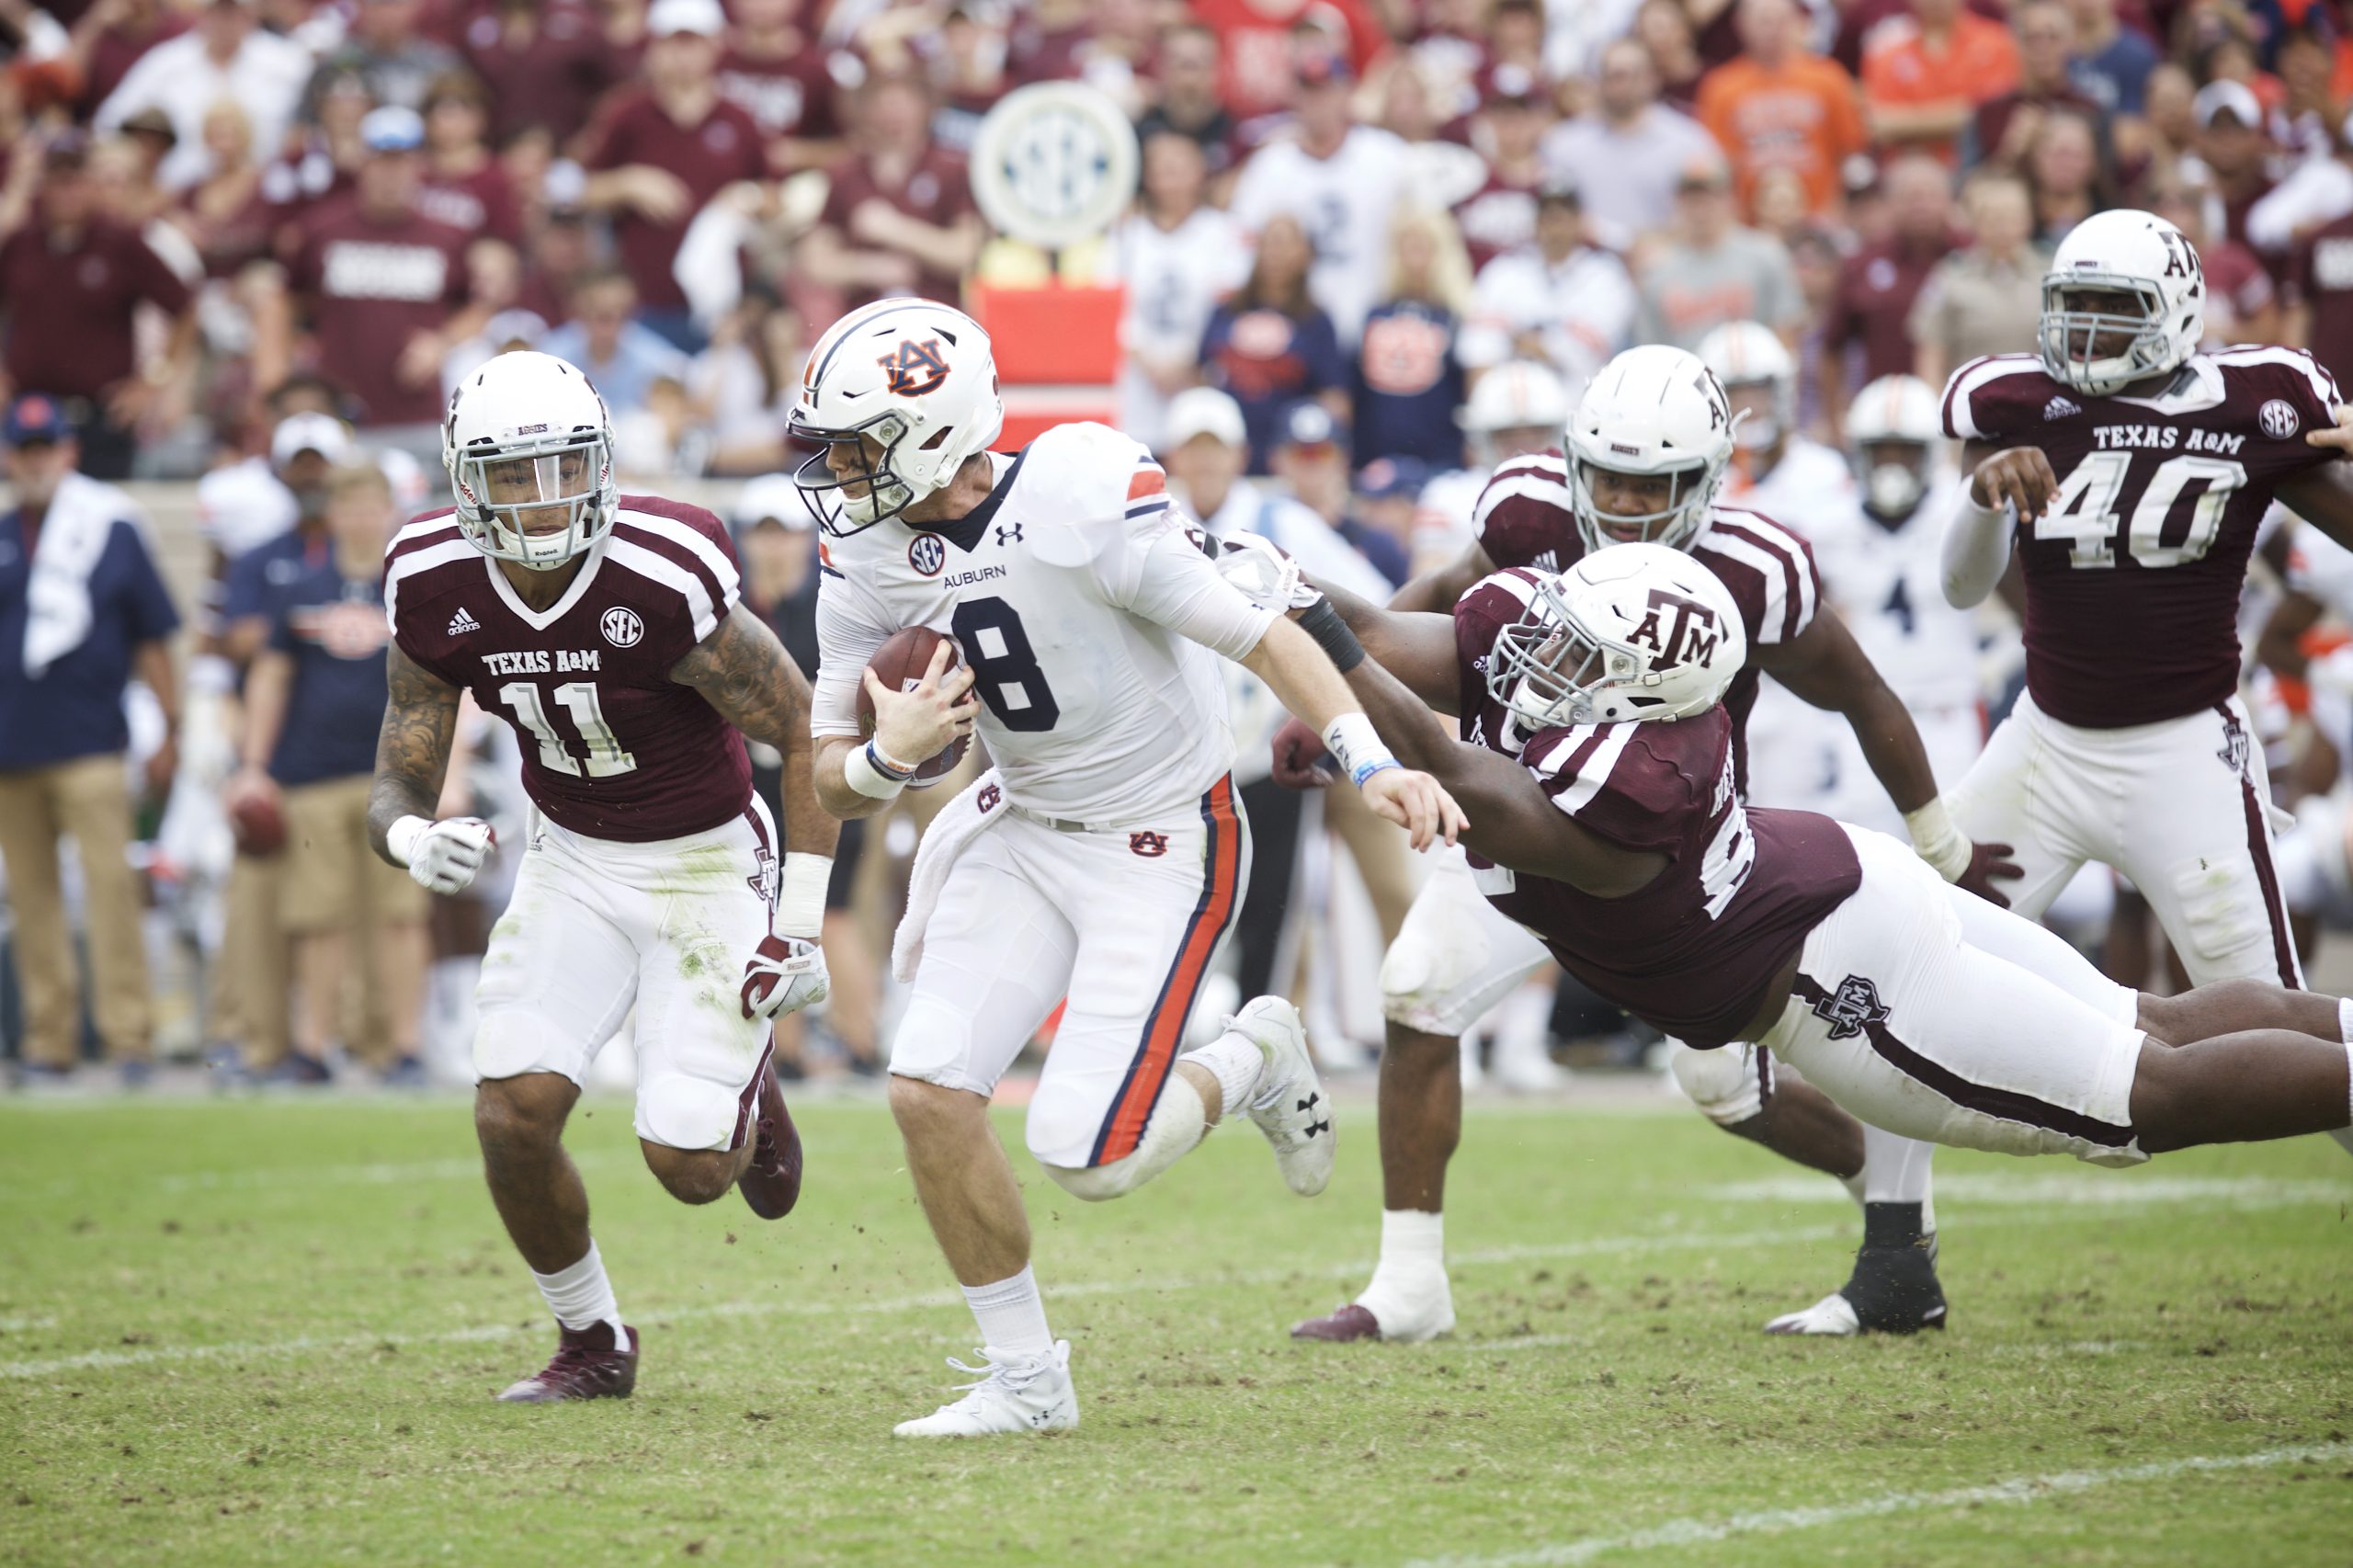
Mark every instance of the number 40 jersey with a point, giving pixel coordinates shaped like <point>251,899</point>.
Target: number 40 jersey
<point>1091,618</point>
<point>2133,570</point>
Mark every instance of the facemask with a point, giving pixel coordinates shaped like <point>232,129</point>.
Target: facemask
<point>1893,489</point>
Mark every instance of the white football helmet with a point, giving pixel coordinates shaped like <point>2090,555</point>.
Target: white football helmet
<point>1636,631</point>
<point>918,380</point>
<point>527,441</point>
<point>1750,354</point>
<point>1652,411</point>
<point>2124,252</point>
<point>1521,395</point>
<point>1892,431</point>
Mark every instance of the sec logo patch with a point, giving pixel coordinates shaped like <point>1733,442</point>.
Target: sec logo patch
<point>622,627</point>
<point>926,554</point>
<point>2279,419</point>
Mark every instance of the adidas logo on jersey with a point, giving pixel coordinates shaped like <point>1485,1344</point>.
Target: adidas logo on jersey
<point>464,621</point>
<point>2061,407</point>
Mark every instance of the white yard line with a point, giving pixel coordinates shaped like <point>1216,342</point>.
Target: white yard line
<point>2018,1490</point>
<point>2025,1188</point>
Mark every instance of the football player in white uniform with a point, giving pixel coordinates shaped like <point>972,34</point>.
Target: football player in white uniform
<point>1103,856</point>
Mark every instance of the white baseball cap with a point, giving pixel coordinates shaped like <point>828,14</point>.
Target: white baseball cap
<point>2222,93</point>
<point>300,432</point>
<point>1204,411</point>
<point>772,498</point>
<point>669,17</point>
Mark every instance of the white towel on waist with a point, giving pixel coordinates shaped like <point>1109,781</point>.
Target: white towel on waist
<point>959,822</point>
<point>74,535</point>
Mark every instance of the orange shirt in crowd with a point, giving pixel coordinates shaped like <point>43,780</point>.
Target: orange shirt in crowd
<point>1978,61</point>
<point>1802,116</point>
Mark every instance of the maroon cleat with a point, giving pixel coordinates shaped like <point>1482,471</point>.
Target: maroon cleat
<point>1344,1326</point>
<point>587,1365</point>
<point>771,1183</point>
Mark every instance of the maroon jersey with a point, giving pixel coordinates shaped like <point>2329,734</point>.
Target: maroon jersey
<point>791,95</point>
<point>1693,952</point>
<point>1524,518</point>
<point>706,158</point>
<point>2322,283</point>
<point>2133,570</point>
<point>612,746</point>
<point>938,189</point>
<point>373,285</point>
<point>1499,216</point>
<point>71,308</point>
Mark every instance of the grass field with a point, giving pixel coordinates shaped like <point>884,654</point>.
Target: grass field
<point>269,1332</point>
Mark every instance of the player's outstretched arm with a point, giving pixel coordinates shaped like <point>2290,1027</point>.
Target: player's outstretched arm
<point>743,672</point>
<point>1977,536</point>
<point>1825,666</point>
<point>412,756</point>
<point>1437,589</point>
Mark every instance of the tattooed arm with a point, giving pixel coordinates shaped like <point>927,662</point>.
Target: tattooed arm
<point>412,749</point>
<point>743,671</point>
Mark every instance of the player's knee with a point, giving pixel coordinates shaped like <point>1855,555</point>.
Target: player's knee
<point>1722,1083</point>
<point>522,1116</point>
<point>1411,1046</point>
<point>1419,987</point>
<point>693,1176</point>
<point>926,1109</point>
<point>1100,1184</point>
<point>2163,1098</point>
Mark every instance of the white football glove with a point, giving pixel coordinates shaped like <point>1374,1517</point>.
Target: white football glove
<point>1264,572</point>
<point>442,856</point>
<point>786,974</point>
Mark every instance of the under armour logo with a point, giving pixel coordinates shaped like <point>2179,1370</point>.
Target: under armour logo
<point>1852,1008</point>
<point>1149,845</point>
<point>990,797</point>
<point>1309,1105</point>
<point>1009,534</point>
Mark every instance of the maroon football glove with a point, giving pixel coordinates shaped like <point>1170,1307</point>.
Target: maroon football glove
<point>785,975</point>
<point>1301,760</point>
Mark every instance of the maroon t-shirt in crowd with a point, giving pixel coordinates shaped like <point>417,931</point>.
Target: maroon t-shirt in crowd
<point>2133,572</point>
<point>938,191</point>
<point>553,81</point>
<point>612,747</point>
<point>792,97</point>
<point>2324,285</point>
<point>372,286</point>
<point>1498,216</point>
<point>116,50</point>
<point>706,158</point>
<point>481,203</point>
<point>1876,287</point>
<point>1694,952</point>
<point>1524,518</point>
<point>69,309</point>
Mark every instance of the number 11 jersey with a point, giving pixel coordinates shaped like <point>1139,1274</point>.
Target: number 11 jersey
<point>2133,570</point>
<point>1088,613</point>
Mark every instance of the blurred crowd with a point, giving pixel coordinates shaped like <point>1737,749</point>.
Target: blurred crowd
<point>1379,246</point>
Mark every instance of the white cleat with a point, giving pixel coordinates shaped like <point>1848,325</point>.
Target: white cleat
<point>1014,1394</point>
<point>1833,1314</point>
<point>1291,1107</point>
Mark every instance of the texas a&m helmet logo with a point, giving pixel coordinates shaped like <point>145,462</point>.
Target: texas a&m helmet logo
<point>915,367</point>
<point>1678,630</point>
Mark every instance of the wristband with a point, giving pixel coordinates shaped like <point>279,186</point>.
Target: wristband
<point>1935,840</point>
<point>801,895</point>
<point>863,774</point>
<point>400,839</point>
<point>1322,622</point>
<point>1352,739</point>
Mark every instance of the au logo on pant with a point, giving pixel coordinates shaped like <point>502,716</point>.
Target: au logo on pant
<point>1151,846</point>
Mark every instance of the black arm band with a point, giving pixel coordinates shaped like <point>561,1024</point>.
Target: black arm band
<point>1322,622</point>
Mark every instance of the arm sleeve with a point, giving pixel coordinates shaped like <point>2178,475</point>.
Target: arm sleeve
<point>849,627</point>
<point>1176,587</point>
<point>1977,550</point>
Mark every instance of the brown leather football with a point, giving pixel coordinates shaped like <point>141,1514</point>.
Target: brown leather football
<point>258,826</point>
<point>901,662</point>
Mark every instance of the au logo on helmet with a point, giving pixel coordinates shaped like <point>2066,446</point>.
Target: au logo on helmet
<point>917,368</point>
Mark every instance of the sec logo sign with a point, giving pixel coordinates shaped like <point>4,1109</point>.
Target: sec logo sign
<point>622,627</point>
<point>2279,419</point>
<point>926,554</point>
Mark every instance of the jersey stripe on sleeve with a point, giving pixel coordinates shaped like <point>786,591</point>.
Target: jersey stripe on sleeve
<point>686,548</point>
<point>657,566</point>
<point>1543,479</point>
<point>1586,754</point>
<point>1779,562</point>
<point>1960,415</point>
<point>410,557</point>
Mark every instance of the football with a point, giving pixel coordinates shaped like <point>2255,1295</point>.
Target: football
<point>901,662</point>
<point>258,826</point>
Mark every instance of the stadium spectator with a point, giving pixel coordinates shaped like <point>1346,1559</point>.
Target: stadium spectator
<point>222,56</point>
<point>1501,215</point>
<point>1269,344</point>
<point>1926,76</point>
<point>125,165</point>
<point>1879,285</point>
<point>384,49</point>
<point>1711,270</point>
<point>1665,30</point>
<point>899,217</point>
<point>108,40</point>
<point>384,289</point>
<point>2317,192</point>
<point>1625,154</point>
<point>82,610</point>
<point>2003,127</point>
<point>1558,299</point>
<point>1311,457</point>
<point>1987,299</point>
<point>314,700</point>
<point>2232,151</point>
<point>2242,303</point>
<point>1175,257</point>
<point>2321,297</point>
<point>787,82</point>
<point>2111,64</point>
<point>745,384</point>
<point>546,62</point>
<point>1779,105</point>
<point>464,185</point>
<point>2062,167</point>
<point>1409,374</point>
<point>965,63</point>
<point>73,280</point>
<point>562,251</point>
<point>1259,45</point>
<point>1188,102</point>
<point>621,357</point>
<point>1341,181</point>
<point>659,152</point>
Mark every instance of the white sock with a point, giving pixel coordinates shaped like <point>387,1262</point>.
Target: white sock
<point>1237,1065</point>
<point>581,1295</point>
<point>1012,1315</point>
<point>1413,1255</point>
<point>1899,1170</point>
<point>1856,1186</point>
<point>2344,1019</point>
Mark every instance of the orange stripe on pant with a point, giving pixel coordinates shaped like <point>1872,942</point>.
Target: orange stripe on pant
<point>1164,1031</point>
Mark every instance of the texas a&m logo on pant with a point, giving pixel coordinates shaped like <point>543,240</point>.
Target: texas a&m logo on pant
<point>915,367</point>
<point>1852,1008</point>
